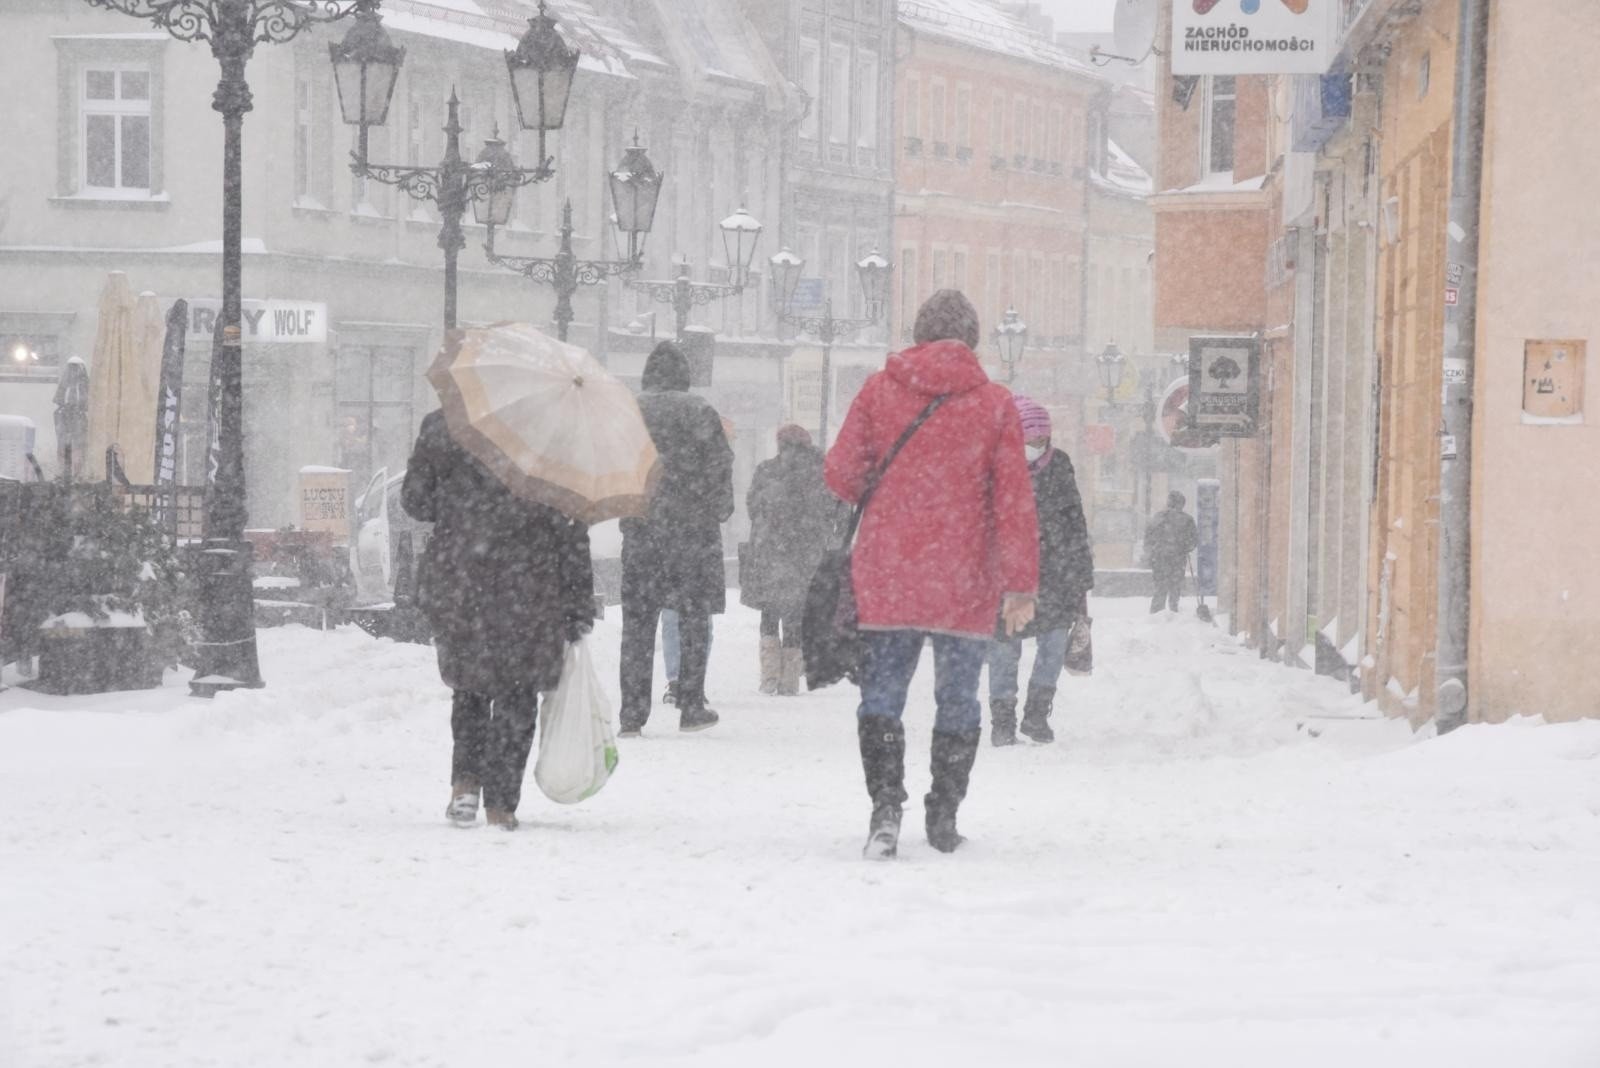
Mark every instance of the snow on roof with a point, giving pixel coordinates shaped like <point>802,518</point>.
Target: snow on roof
<point>497,25</point>
<point>982,24</point>
<point>1123,174</point>
<point>1223,183</point>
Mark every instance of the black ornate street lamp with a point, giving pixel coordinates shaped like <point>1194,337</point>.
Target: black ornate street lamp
<point>740,235</point>
<point>635,189</point>
<point>1111,363</point>
<point>226,654</point>
<point>541,67</point>
<point>873,272</point>
<point>1011,338</point>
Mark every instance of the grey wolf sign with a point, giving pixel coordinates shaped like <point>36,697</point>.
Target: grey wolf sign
<point>1224,385</point>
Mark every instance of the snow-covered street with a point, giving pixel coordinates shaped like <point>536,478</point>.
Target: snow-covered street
<point>1222,862</point>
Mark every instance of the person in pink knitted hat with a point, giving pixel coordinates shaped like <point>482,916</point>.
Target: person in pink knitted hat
<point>1066,575</point>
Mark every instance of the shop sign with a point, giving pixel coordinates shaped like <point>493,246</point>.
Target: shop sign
<point>1224,385</point>
<point>281,322</point>
<point>1254,36</point>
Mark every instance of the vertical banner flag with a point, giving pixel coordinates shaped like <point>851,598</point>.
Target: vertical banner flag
<point>169,399</point>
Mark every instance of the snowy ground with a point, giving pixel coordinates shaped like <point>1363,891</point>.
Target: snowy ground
<point>1222,863</point>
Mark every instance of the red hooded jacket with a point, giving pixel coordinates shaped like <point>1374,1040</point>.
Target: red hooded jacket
<point>952,525</point>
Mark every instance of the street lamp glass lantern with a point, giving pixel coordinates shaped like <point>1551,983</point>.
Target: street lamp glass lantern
<point>740,234</point>
<point>366,65</point>
<point>786,269</point>
<point>1011,336</point>
<point>1111,362</point>
<point>542,69</point>
<point>495,194</point>
<point>635,191</point>
<point>874,274</point>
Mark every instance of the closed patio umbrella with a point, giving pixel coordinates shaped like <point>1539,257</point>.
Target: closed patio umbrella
<point>123,369</point>
<point>547,420</point>
<point>72,418</point>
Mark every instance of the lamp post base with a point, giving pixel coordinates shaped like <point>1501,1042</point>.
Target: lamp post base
<point>226,659</point>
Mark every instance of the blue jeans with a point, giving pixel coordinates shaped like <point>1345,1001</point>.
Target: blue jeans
<point>1006,653</point>
<point>671,647</point>
<point>889,659</point>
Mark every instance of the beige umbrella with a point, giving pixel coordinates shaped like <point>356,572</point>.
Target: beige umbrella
<point>122,380</point>
<point>548,420</point>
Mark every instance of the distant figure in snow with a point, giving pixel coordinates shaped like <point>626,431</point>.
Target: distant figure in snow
<point>948,541</point>
<point>1066,575</point>
<point>506,584</point>
<point>794,521</point>
<point>672,557</point>
<point>1168,541</point>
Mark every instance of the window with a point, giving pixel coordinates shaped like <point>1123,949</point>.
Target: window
<point>811,84</point>
<point>839,94</point>
<point>1424,73</point>
<point>1041,134</point>
<point>991,287</point>
<point>997,127</point>
<point>867,101</point>
<point>941,265</point>
<point>908,288</point>
<point>958,270</point>
<point>911,112</point>
<point>963,126</point>
<point>115,110</point>
<point>1216,143</point>
<point>936,124</point>
<point>1019,131</point>
<point>29,354</point>
<point>374,386</point>
<point>1053,153</point>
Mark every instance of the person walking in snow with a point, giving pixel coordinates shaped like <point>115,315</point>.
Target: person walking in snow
<point>1066,575</point>
<point>948,541</point>
<point>672,557</point>
<point>505,584</point>
<point>1168,541</point>
<point>794,521</point>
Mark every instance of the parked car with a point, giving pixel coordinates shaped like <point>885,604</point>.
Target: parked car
<point>386,542</point>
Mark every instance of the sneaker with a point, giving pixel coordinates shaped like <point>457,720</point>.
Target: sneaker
<point>463,808</point>
<point>671,696</point>
<point>696,719</point>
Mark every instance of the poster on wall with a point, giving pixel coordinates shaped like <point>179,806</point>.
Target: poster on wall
<point>1224,385</point>
<point>1254,36</point>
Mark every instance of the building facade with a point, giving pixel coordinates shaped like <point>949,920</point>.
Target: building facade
<point>343,279</point>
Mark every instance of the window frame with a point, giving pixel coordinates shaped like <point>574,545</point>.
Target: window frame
<point>117,109</point>
<point>1210,98</point>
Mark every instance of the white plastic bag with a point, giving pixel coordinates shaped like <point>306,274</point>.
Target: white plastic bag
<point>577,744</point>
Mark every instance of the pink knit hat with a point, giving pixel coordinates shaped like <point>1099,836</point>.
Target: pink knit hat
<point>1035,420</point>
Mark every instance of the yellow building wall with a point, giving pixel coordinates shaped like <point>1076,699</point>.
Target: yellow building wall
<point>1535,505</point>
<point>1417,97</point>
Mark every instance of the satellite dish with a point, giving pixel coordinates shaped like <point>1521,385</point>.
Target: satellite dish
<point>1133,29</point>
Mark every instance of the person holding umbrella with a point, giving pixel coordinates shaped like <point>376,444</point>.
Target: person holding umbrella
<point>672,556</point>
<point>534,441</point>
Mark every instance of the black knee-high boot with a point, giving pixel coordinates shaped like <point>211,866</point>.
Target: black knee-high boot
<point>953,757</point>
<point>883,761</point>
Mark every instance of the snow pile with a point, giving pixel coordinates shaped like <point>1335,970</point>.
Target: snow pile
<point>1222,862</point>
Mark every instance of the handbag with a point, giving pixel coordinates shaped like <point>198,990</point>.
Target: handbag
<point>1080,647</point>
<point>830,633</point>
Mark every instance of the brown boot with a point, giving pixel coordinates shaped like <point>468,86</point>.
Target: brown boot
<point>463,808</point>
<point>499,817</point>
<point>771,664</point>
<point>789,677</point>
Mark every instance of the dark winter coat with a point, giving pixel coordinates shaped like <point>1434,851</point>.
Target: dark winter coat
<point>794,520</point>
<point>502,579</point>
<point>1169,540</point>
<point>672,557</point>
<point>951,527</point>
<point>1066,558</point>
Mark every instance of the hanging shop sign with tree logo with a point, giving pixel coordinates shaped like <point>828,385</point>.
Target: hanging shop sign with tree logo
<point>1224,385</point>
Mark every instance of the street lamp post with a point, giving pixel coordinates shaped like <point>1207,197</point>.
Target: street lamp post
<point>635,188</point>
<point>226,654</point>
<point>1112,363</point>
<point>740,233</point>
<point>541,69</point>
<point>1011,337</point>
<point>873,272</point>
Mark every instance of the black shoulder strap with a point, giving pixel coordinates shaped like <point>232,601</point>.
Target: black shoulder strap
<point>883,466</point>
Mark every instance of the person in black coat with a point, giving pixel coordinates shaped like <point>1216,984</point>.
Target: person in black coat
<point>1066,575</point>
<point>672,557</point>
<point>794,520</point>
<point>505,584</point>
<point>1168,541</point>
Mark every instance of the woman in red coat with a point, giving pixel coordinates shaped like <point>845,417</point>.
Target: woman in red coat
<point>949,539</point>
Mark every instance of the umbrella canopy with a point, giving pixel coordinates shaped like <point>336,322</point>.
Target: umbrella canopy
<point>122,381</point>
<point>547,420</point>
